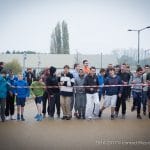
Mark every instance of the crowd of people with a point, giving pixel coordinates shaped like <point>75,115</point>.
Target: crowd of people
<point>79,90</point>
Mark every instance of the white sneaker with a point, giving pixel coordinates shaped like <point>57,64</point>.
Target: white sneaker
<point>12,117</point>
<point>7,118</point>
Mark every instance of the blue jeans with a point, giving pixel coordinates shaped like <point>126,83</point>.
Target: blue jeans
<point>144,100</point>
<point>137,99</point>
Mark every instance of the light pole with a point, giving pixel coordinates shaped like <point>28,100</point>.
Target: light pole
<point>39,62</point>
<point>24,62</point>
<point>138,31</point>
<point>101,59</point>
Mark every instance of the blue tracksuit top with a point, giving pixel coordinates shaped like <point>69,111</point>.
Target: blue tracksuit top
<point>101,82</point>
<point>115,90</point>
<point>11,81</point>
<point>20,90</point>
<point>3,88</point>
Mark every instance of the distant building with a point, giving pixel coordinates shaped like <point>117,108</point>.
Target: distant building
<point>58,60</point>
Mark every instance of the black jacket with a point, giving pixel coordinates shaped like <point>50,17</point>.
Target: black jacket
<point>52,81</point>
<point>91,81</point>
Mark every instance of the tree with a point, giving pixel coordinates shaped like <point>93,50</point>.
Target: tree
<point>14,66</point>
<point>58,39</point>
<point>8,52</point>
<point>53,43</point>
<point>65,38</point>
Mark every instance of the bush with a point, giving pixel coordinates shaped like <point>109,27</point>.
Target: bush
<point>14,66</point>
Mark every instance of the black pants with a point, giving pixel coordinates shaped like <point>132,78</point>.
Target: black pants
<point>2,108</point>
<point>45,97</point>
<point>52,101</point>
<point>10,107</point>
<point>121,101</point>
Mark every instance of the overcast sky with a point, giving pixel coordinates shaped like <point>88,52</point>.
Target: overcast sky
<point>94,25</point>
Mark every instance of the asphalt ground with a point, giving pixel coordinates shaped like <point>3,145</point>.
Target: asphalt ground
<point>57,134</point>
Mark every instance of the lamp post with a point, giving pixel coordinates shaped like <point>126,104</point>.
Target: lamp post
<point>24,62</point>
<point>39,62</point>
<point>101,59</point>
<point>138,31</point>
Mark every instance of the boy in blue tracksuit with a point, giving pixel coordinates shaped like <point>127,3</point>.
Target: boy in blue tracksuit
<point>111,92</point>
<point>3,94</point>
<point>10,100</point>
<point>21,92</point>
<point>101,81</point>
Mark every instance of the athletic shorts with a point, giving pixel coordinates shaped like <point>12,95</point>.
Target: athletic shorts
<point>110,101</point>
<point>20,102</point>
<point>38,100</point>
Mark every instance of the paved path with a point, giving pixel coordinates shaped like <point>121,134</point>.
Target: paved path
<point>75,134</point>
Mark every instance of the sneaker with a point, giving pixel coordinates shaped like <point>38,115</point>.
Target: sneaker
<point>51,117</point>
<point>144,113</point>
<point>116,115</point>
<point>79,116</point>
<point>112,117</point>
<point>139,117</point>
<point>123,116</point>
<point>89,118</point>
<point>40,118</point>
<point>76,114</point>
<point>12,117</point>
<point>100,114</point>
<point>44,115</point>
<point>132,108</point>
<point>7,118</point>
<point>18,117</point>
<point>68,117</point>
<point>22,118</point>
<point>64,117</point>
<point>36,117</point>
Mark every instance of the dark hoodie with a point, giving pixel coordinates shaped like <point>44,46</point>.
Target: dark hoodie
<point>113,90</point>
<point>52,80</point>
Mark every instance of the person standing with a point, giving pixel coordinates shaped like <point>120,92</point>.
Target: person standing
<point>3,93</point>
<point>29,76</point>
<point>21,92</point>
<point>92,104</point>
<point>137,80</point>
<point>86,68</point>
<point>10,100</point>
<point>148,92</point>
<point>101,82</point>
<point>111,92</point>
<point>75,74</point>
<point>44,77</point>
<point>125,78</point>
<point>145,88</point>
<point>1,66</point>
<point>53,93</point>
<point>37,88</point>
<point>66,92</point>
<point>80,95</point>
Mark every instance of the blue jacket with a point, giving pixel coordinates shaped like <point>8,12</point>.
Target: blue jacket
<point>115,90</point>
<point>11,81</point>
<point>20,90</point>
<point>3,88</point>
<point>101,82</point>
